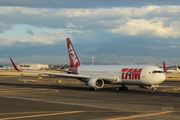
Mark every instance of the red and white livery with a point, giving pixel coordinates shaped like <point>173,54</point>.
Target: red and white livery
<point>95,76</point>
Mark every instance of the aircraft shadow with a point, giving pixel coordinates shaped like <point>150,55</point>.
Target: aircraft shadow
<point>86,88</point>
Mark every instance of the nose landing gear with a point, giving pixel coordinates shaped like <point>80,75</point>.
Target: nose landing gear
<point>154,89</point>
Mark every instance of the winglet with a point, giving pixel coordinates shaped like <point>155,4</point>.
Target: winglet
<point>164,67</point>
<point>15,67</point>
<point>73,58</point>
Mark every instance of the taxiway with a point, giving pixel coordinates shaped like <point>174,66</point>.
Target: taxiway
<point>53,101</point>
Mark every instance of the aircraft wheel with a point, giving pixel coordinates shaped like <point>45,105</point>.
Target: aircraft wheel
<point>120,88</point>
<point>94,89</point>
<point>153,91</point>
<point>125,89</point>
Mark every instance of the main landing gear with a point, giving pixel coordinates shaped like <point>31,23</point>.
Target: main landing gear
<point>154,89</point>
<point>123,88</point>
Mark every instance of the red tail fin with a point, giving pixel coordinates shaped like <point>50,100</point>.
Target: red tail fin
<point>15,67</point>
<point>73,58</point>
<point>164,67</point>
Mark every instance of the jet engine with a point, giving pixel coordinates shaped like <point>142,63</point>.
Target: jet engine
<point>95,83</point>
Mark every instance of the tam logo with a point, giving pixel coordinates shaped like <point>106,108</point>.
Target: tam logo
<point>131,73</point>
<point>73,55</point>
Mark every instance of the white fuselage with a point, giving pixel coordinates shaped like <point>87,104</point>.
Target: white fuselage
<point>124,74</point>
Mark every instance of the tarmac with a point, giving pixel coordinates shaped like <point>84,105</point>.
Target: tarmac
<point>52,98</point>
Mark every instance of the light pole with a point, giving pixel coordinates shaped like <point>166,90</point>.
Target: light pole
<point>92,60</point>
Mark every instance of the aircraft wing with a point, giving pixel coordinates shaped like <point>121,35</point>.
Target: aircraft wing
<point>106,78</point>
<point>60,74</point>
<point>52,73</point>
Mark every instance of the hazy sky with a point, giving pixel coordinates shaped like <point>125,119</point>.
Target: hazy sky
<point>51,21</point>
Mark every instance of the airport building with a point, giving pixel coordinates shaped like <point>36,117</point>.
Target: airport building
<point>33,66</point>
<point>173,69</point>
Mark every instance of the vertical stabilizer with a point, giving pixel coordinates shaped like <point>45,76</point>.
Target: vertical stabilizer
<point>15,67</point>
<point>73,58</point>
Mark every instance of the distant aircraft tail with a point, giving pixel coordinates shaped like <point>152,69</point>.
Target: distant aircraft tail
<point>164,67</point>
<point>15,67</point>
<point>73,58</point>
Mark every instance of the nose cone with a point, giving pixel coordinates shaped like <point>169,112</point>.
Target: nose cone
<point>161,78</point>
<point>154,79</point>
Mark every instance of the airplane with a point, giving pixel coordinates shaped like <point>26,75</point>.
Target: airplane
<point>96,76</point>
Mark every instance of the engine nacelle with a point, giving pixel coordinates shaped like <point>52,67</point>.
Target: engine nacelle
<point>95,83</point>
<point>145,87</point>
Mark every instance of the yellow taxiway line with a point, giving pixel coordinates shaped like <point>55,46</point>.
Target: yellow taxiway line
<point>142,115</point>
<point>41,115</point>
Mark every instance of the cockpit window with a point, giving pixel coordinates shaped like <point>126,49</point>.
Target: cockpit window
<point>157,71</point>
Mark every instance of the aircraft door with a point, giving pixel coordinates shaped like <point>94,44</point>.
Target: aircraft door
<point>143,73</point>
